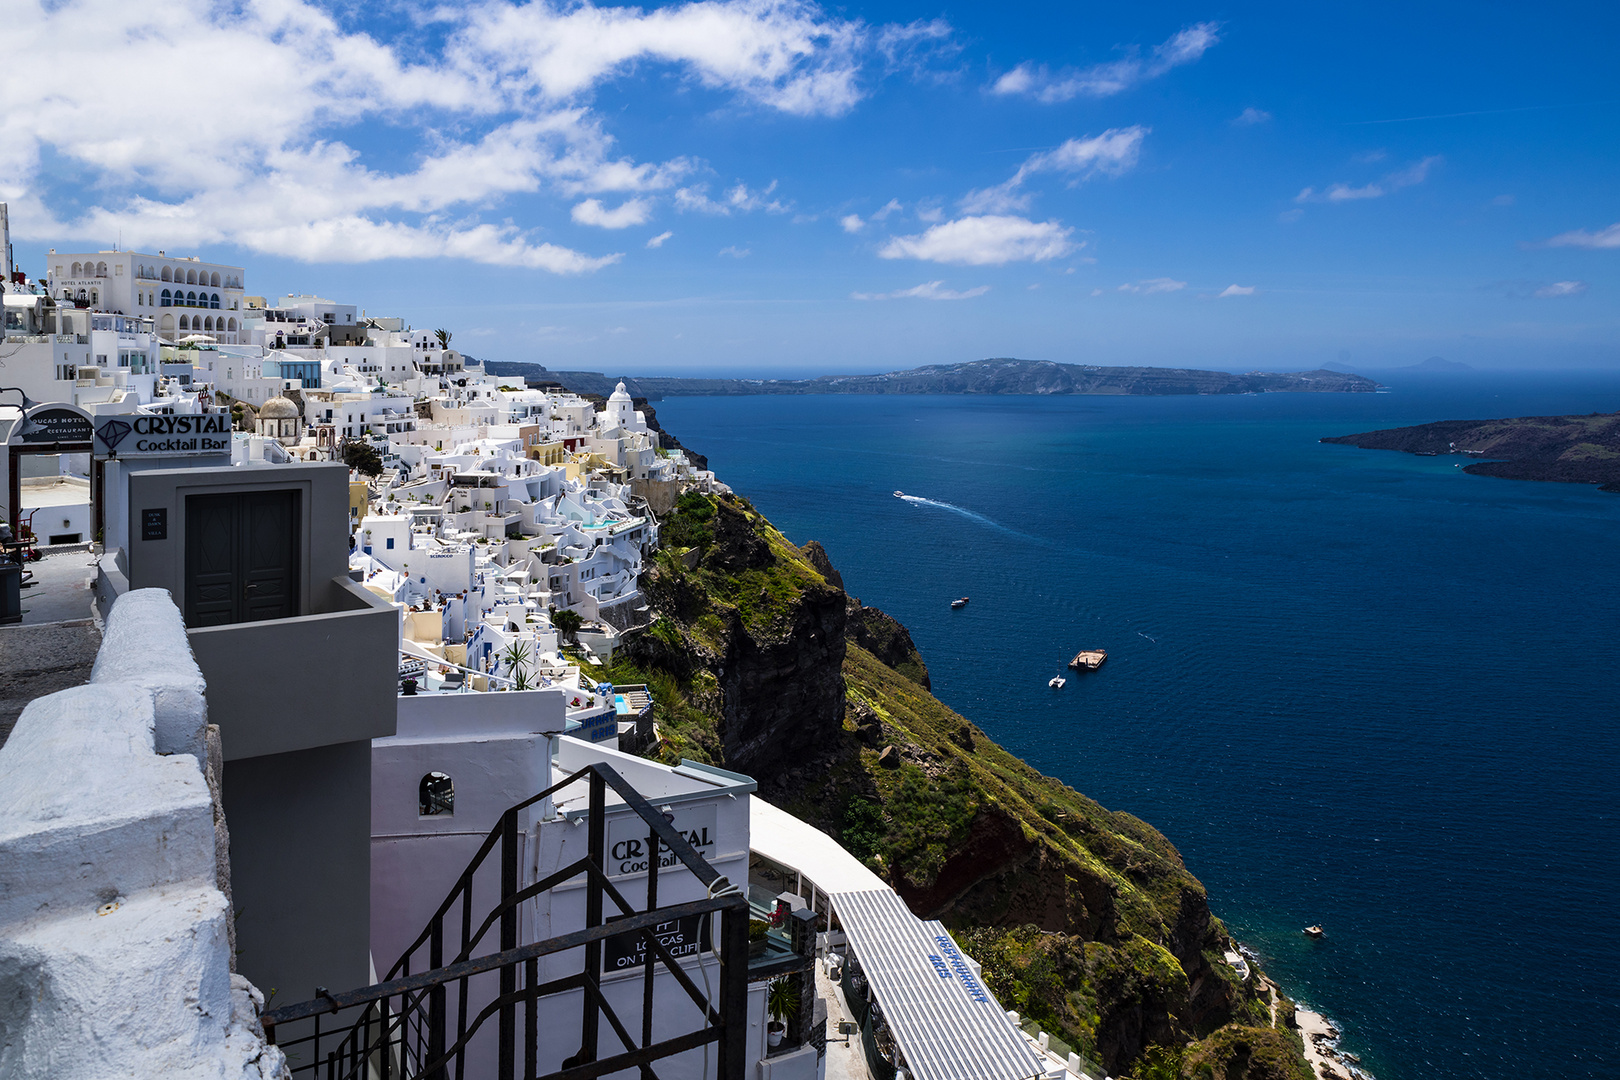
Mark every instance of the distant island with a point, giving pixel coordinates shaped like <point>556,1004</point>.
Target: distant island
<point>1561,449</point>
<point>994,376</point>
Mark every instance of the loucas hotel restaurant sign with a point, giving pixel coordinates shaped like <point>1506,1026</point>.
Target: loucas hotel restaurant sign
<point>139,435</point>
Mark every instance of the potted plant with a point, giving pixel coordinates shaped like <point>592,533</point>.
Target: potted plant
<point>781,1001</point>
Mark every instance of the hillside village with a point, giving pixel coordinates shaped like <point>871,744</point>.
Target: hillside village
<point>431,571</point>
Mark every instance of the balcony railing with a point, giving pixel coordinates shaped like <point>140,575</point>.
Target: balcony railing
<point>425,1025</point>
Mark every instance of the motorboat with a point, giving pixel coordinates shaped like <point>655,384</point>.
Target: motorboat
<point>1057,682</point>
<point>1312,931</point>
<point>961,602</point>
<point>899,494</point>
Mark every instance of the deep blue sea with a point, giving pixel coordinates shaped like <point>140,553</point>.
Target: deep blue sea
<point>1355,688</point>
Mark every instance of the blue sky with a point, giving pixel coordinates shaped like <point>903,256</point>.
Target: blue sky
<point>785,188</point>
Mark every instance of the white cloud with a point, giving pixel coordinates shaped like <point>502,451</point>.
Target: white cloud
<point>1105,80</point>
<point>1603,238</point>
<point>928,290</point>
<point>658,241</point>
<point>1112,153</point>
<point>736,252</point>
<point>1236,290</point>
<point>740,198</point>
<point>891,207</point>
<point>989,240</point>
<point>1251,116</point>
<point>1413,174</point>
<point>630,212</point>
<point>1561,288</point>
<point>930,212</point>
<point>1153,285</point>
<point>852,223</point>
<point>495,103</point>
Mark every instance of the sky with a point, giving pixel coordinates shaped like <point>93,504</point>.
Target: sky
<point>781,188</point>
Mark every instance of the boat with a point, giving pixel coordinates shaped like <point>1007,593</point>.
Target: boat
<point>1057,682</point>
<point>899,494</point>
<point>1088,659</point>
<point>1312,931</point>
<point>960,602</point>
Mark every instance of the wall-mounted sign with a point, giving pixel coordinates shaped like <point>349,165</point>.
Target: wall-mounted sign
<point>140,435</point>
<point>48,425</point>
<point>627,839</point>
<point>681,937</point>
<point>155,523</point>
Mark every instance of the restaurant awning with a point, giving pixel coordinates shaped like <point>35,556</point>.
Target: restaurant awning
<point>945,1021</point>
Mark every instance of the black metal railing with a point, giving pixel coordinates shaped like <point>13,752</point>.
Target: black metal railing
<point>408,1026</point>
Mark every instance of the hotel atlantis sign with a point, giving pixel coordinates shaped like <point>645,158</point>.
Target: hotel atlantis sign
<point>139,435</point>
<point>627,839</point>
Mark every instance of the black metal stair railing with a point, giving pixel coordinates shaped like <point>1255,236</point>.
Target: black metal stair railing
<point>401,1027</point>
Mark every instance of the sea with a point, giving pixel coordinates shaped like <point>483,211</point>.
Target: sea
<point>1356,688</point>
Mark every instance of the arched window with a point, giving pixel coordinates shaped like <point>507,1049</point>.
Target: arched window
<point>436,795</point>
<point>208,323</point>
<point>185,322</point>
<point>191,277</point>
<point>164,300</point>
<point>191,299</point>
<point>232,326</point>
<point>213,301</point>
<point>76,269</point>
<point>165,273</point>
<point>101,269</point>
<point>213,279</point>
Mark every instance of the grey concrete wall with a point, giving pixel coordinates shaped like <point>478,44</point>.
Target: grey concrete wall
<point>161,564</point>
<point>300,869</point>
<point>346,660</point>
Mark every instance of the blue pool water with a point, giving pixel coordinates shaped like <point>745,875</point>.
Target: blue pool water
<point>1356,688</point>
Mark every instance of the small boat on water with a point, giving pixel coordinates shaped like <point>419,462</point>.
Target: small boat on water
<point>1088,659</point>
<point>1057,682</point>
<point>961,602</point>
<point>899,494</point>
<point>1312,931</point>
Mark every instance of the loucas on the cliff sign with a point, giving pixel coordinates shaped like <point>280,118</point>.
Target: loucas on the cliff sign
<point>45,428</point>
<point>141,435</point>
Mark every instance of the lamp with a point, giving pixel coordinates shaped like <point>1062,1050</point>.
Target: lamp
<point>27,402</point>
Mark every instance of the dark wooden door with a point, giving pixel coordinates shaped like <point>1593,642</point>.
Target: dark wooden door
<point>242,557</point>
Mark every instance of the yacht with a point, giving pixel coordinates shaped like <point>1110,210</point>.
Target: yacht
<point>1057,682</point>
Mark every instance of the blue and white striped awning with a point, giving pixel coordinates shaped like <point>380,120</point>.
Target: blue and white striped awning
<point>946,1022</point>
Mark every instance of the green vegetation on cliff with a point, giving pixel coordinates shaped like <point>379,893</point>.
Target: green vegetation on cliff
<point>1085,919</point>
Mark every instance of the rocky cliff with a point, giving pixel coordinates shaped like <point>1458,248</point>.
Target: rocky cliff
<point>1085,919</point>
<point>1562,449</point>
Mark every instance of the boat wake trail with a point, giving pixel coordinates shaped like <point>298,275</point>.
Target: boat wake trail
<point>918,500</point>
<point>1152,639</point>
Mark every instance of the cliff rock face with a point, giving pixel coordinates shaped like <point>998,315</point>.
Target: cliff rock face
<point>1085,919</point>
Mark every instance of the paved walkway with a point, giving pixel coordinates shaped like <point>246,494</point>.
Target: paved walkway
<point>845,1061</point>
<point>54,647</point>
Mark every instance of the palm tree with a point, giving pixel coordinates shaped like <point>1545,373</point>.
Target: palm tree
<point>516,657</point>
<point>444,338</point>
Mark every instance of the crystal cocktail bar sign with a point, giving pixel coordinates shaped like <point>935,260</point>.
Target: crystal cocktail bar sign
<point>139,435</point>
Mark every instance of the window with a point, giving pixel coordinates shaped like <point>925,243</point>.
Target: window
<point>436,795</point>
<point>76,269</point>
<point>164,296</point>
<point>66,372</point>
<point>213,279</point>
<point>101,358</point>
<point>390,544</point>
<point>191,299</point>
<point>191,277</point>
<point>166,275</point>
<point>213,301</point>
